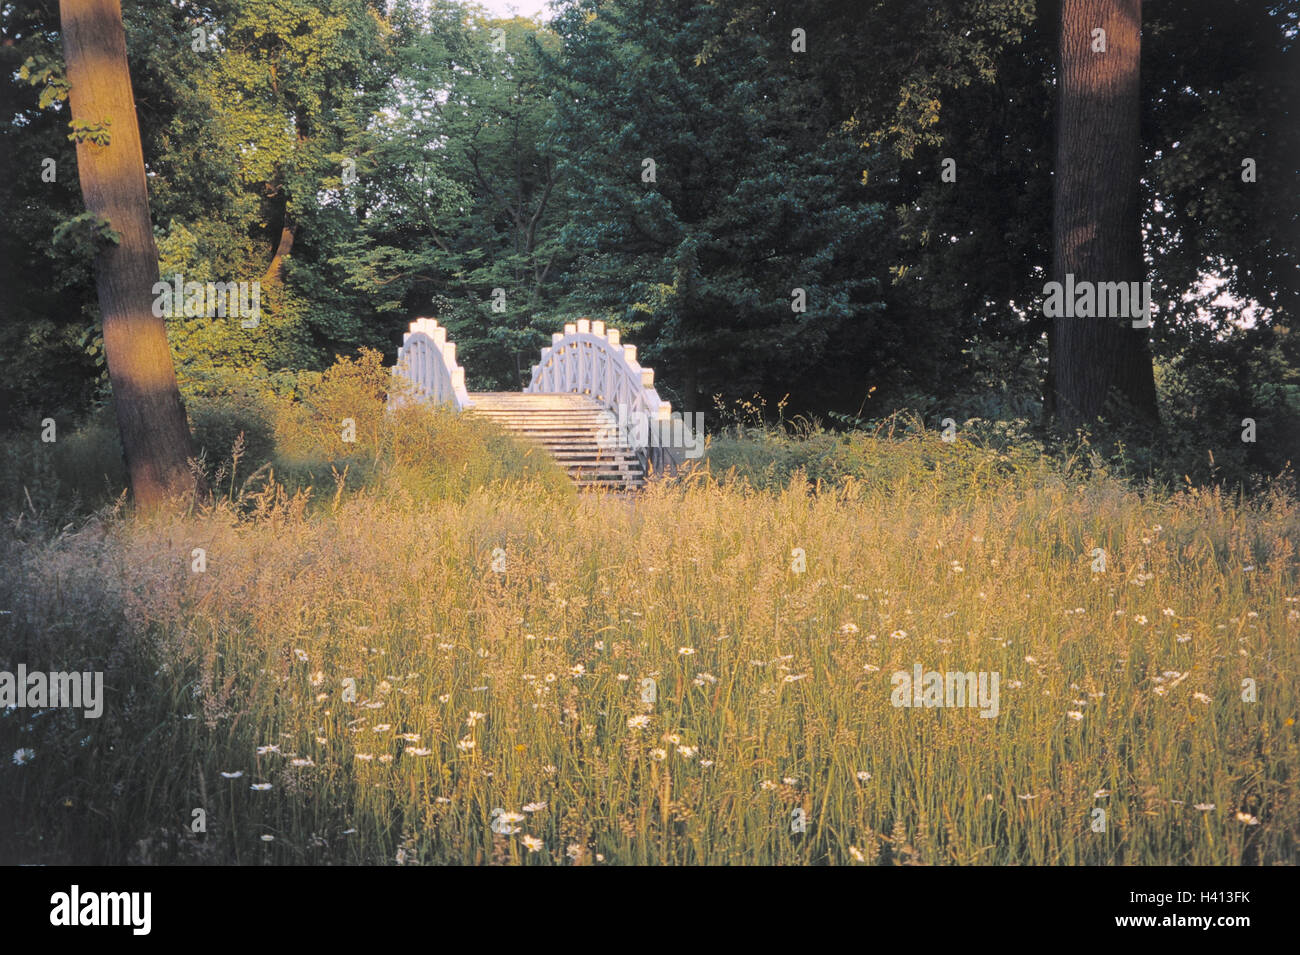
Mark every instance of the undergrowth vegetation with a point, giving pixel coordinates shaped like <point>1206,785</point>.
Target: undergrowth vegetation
<point>425,648</point>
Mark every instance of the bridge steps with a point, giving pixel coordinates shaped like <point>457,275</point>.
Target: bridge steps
<point>577,432</point>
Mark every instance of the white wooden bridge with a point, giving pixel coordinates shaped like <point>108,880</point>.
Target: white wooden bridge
<point>589,403</point>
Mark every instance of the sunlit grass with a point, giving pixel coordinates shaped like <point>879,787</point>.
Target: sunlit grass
<point>773,687</point>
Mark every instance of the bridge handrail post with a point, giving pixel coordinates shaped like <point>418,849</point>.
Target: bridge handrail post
<point>428,360</point>
<point>587,358</point>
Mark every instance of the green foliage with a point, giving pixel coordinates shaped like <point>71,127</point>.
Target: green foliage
<point>752,198</point>
<point>899,454</point>
<point>418,171</point>
<point>85,236</point>
<point>47,73</point>
<point>85,132</point>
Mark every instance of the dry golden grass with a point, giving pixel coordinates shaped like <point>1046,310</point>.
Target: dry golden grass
<point>773,686</point>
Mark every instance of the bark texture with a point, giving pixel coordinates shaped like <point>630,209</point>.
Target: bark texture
<point>1099,366</point>
<point>150,414</point>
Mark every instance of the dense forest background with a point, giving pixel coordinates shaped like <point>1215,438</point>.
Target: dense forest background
<point>678,169</point>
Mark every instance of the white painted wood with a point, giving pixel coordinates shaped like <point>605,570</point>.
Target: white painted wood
<point>428,361</point>
<point>589,358</point>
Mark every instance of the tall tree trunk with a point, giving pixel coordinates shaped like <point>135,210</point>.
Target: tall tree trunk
<point>150,415</point>
<point>1099,364</point>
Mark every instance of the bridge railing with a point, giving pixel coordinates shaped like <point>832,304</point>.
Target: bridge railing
<point>428,360</point>
<point>589,359</point>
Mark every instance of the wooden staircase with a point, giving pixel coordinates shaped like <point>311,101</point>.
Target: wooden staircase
<point>576,430</point>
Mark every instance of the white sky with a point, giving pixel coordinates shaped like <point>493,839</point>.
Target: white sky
<point>527,8</point>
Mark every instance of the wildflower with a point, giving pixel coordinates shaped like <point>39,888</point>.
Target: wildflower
<point>1074,715</point>
<point>638,722</point>
<point>300,654</point>
<point>1140,620</point>
<point>791,677</point>
<point>600,644</point>
<point>870,668</point>
<point>532,843</point>
<point>706,763</point>
<point>235,775</point>
<point>789,780</point>
<point>317,678</point>
<point>1101,793</point>
<point>577,669</point>
<point>687,751</point>
<point>685,651</point>
<point>267,837</point>
<point>863,775</point>
<point>534,807</point>
<point>857,855</point>
<point>1159,690</point>
<point>365,757</point>
<point>386,758</point>
<point>848,628</point>
<point>272,748</point>
<point>1247,818</point>
<point>573,851</point>
<point>465,744</point>
<point>410,737</point>
<point>443,800</point>
<point>1031,659</point>
<point>301,762</point>
<point>1201,698</point>
<point>502,820</point>
<point>672,738</point>
<point>417,751</point>
<point>767,785</point>
<point>957,568</point>
<point>23,756</point>
<point>1168,611</point>
<point>260,787</point>
<point>550,678</point>
<point>473,718</point>
<point>444,697</point>
<point>899,634</point>
<point>658,755</point>
<point>1204,806</point>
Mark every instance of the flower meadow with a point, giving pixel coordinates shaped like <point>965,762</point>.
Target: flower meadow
<point>698,674</point>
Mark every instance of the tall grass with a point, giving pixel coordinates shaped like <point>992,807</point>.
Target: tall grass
<point>518,687</point>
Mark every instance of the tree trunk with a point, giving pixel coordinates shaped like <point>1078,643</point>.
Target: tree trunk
<point>275,271</point>
<point>150,414</point>
<point>1099,365</point>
